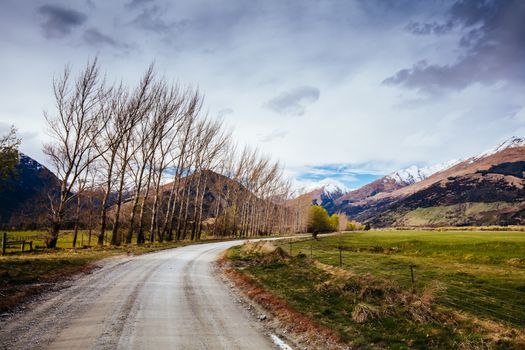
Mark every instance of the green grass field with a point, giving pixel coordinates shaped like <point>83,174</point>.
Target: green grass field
<point>65,239</point>
<point>479,272</point>
<point>473,277</point>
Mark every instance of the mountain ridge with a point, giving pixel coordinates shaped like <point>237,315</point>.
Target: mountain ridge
<point>25,193</point>
<point>481,181</point>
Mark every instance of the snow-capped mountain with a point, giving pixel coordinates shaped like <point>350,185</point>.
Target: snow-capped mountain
<point>413,174</point>
<point>336,189</point>
<point>488,189</point>
<point>326,185</point>
<point>30,163</point>
<point>512,142</point>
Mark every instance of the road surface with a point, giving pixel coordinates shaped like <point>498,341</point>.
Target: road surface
<point>164,300</point>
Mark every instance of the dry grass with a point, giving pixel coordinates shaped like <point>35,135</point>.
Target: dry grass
<point>362,310</point>
<point>496,332</point>
<point>384,294</point>
<point>264,250</point>
<point>290,321</point>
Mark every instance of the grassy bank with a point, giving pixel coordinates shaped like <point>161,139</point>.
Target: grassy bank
<point>468,288</point>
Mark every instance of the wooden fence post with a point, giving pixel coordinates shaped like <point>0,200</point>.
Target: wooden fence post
<point>340,256</point>
<point>4,242</point>
<point>23,245</point>
<point>412,275</point>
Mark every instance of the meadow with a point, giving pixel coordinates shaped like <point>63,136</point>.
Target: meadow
<point>405,289</point>
<point>65,239</point>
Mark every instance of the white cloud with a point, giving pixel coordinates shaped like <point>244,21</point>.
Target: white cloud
<point>243,55</point>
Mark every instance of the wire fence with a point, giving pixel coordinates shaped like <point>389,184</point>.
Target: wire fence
<point>502,301</point>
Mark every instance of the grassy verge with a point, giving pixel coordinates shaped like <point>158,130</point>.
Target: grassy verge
<point>468,291</point>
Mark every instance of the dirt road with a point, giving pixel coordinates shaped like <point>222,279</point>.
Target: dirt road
<point>165,300</point>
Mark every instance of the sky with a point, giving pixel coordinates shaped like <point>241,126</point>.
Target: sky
<point>340,91</point>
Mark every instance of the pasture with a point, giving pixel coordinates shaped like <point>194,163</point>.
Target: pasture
<point>405,289</point>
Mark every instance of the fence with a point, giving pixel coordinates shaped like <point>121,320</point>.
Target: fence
<point>501,300</point>
<point>25,242</point>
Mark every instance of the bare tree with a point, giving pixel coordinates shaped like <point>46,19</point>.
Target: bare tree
<point>129,142</point>
<point>145,141</point>
<point>108,146</point>
<point>133,111</point>
<point>74,128</point>
<point>170,115</point>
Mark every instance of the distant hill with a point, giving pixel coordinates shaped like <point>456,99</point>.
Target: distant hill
<point>218,189</point>
<point>482,190</point>
<point>333,198</point>
<point>392,182</point>
<point>325,196</point>
<point>25,204</point>
<point>24,194</point>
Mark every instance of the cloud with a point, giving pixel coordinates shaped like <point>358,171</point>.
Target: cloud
<point>345,175</point>
<point>94,37</point>
<point>491,47</point>
<point>337,46</point>
<point>224,112</point>
<point>274,135</point>
<point>294,101</point>
<point>4,128</point>
<point>137,3</point>
<point>429,28</point>
<point>150,19</point>
<point>59,21</point>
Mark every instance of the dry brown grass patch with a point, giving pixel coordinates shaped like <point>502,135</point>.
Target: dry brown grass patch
<point>364,312</point>
<point>262,248</point>
<point>494,331</point>
<point>292,321</point>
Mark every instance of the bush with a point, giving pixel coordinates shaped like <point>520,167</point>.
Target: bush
<point>334,222</point>
<point>319,221</point>
<point>354,226</point>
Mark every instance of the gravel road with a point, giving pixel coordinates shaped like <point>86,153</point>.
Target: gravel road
<point>165,300</point>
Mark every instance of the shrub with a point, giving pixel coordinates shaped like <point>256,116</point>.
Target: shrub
<point>356,226</point>
<point>318,220</point>
<point>334,222</point>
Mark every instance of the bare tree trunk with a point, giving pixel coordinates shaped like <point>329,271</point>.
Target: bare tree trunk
<point>104,205</point>
<point>154,210</point>
<point>195,207</point>
<point>199,219</point>
<point>77,218</point>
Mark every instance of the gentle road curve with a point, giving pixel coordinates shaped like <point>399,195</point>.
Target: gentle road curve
<point>165,300</point>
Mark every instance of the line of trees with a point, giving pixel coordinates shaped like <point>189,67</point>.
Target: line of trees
<point>146,163</point>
